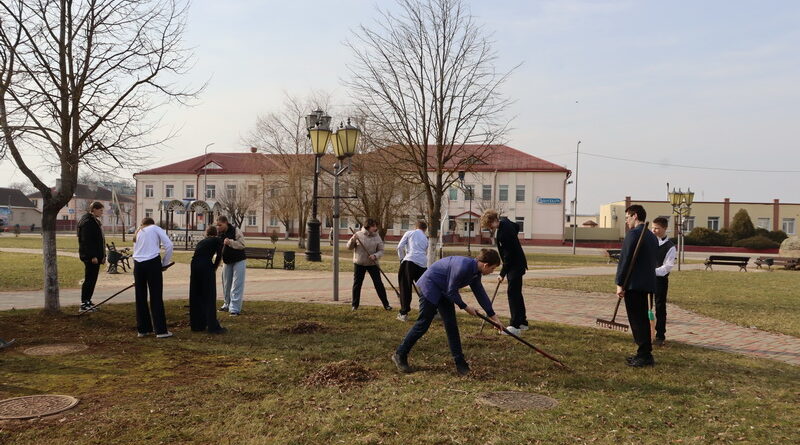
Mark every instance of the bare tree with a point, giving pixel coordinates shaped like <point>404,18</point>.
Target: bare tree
<point>237,202</point>
<point>77,83</point>
<point>426,78</point>
<point>25,187</point>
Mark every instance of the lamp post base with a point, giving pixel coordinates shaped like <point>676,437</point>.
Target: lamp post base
<point>313,253</point>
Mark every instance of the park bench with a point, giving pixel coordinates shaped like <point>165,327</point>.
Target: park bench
<point>117,258</point>
<point>613,255</point>
<point>786,262</point>
<point>724,260</point>
<point>267,254</point>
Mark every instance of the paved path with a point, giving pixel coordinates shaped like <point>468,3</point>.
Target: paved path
<point>551,305</point>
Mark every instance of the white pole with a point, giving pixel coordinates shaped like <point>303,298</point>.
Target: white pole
<point>575,202</point>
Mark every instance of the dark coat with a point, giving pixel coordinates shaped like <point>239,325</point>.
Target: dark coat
<point>202,284</point>
<point>643,277</point>
<point>514,262</point>
<point>91,243</point>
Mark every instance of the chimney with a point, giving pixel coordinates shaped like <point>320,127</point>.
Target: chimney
<point>253,150</point>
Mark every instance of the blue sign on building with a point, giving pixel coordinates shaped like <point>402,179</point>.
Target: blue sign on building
<point>540,200</point>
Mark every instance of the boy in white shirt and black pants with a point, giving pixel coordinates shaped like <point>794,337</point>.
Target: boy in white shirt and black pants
<point>147,274</point>
<point>665,260</point>
<point>413,252</point>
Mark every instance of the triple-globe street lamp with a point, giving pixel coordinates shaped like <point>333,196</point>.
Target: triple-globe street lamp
<point>681,206</point>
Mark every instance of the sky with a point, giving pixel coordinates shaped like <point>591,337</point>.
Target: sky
<point>700,95</point>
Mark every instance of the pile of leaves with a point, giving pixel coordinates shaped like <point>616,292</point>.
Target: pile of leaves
<point>345,373</point>
<point>304,327</point>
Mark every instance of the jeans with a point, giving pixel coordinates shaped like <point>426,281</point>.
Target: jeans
<point>427,311</point>
<point>89,280</point>
<point>233,285</point>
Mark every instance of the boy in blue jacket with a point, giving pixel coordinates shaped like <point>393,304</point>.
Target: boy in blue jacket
<point>439,287</point>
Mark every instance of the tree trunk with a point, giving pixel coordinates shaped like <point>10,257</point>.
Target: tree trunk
<point>51,300</point>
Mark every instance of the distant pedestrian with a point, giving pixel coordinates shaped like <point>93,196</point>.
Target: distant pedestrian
<point>148,268</point>
<point>203,283</point>
<point>365,259</point>
<point>665,261</point>
<point>91,251</point>
<point>439,286</point>
<point>233,271</point>
<point>413,252</point>
<point>16,230</point>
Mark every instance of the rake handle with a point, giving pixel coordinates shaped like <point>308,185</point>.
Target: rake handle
<point>123,290</point>
<point>523,341</point>
<point>493,297</point>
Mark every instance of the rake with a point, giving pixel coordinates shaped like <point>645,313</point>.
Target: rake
<point>612,324</point>
<point>123,290</point>
<point>493,297</point>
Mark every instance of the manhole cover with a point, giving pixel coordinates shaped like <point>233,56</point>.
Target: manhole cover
<point>35,406</point>
<point>64,348</point>
<point>514,400</point>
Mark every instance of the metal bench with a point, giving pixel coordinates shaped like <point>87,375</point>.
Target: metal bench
<point>267,254</point>
<point>787,262</point>
<point>724,260</point>
<point>613,255</point>
<point>117,259</point>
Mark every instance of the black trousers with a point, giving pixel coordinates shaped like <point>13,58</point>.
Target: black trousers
<point>408,275</point>
<point>427,311</point>
<point>516,303</point>
<point>358,279</point>
<point>90,272</point>
<point>636,305</point>
<point>662,285</point>
<point>147,276</point>
<point>203,297</point>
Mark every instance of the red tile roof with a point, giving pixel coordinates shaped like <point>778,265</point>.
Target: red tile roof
<point>503,158</point>
<point>253,163</point>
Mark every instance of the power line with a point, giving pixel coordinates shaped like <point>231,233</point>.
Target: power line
<point>664,164</point>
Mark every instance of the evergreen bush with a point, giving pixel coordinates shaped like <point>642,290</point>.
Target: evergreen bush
<point>742,226</point>
<point>756,242</point>
<point>702,236</point>
<point>777,235</point>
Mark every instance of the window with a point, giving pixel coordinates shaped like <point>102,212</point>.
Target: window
<point>251,218</point>
<point>453,194</point>
<point>189,191</point>
<point>65,217</point>
<point>273,221</point>
<point>343,223</point>
<point>520,193</point>
<point>788,226</point>
<point>469,226</point>
<point>469,193</point>
<point>713,222</point>
<point>404,223</point>
<point>487,192</point>
<point>230,191</point>
<point>148,191</point>
<point>451,223</point>
<point>763,223</point>
<point>211,191</point>
<point>520,220</point>
<point>169,191</point>
<point>688,222</point>
<point>148,213</point>
<point>503,193</point>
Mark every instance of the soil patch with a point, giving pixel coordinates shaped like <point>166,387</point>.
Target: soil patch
<point>515,400</point>
<point>35,406</point>
<point>343,374</point>
<point>305,327</point>
<point>56,349</point>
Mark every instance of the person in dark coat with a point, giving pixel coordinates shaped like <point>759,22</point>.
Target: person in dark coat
<point>91,251</point>
<point>642,282</point>
<point>203,285</point>
<point>514,266</point>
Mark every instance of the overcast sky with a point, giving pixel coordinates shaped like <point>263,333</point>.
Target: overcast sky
<point>709,84</point>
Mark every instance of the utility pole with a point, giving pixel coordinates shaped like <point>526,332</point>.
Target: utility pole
<point>575,201</point>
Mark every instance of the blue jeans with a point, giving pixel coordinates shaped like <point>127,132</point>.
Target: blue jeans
<point>427,311</point>
<point>233,285</point>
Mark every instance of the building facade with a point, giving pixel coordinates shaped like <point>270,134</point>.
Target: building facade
<point>16,208</point>
<point>85,194</point>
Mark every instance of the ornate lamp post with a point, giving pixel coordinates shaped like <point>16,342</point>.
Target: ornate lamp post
<point>319,131</point>
<point>467,191</point>
<point>344,141</point>
<point>681,206</point>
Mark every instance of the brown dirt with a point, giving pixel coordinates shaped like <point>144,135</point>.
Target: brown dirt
<point>343,374</point>
<point>515,400</point>
<point>304,327</point>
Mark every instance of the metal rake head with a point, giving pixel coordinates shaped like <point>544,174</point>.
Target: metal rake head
<point>612,325</point>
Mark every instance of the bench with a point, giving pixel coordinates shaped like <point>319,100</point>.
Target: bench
<point>261,253</point>
<point>117,258</point>
<point>786,262</point>
<point>613,255</point>
<point>724,260</point>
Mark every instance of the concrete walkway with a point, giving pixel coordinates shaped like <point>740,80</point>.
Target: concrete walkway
<point>551,305</point>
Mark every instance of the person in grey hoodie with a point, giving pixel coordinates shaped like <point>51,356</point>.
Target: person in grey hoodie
<point>367,247</point>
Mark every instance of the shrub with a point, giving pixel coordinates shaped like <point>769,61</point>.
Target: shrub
<point>273,236</point>
<point>727,235</point>
<point>742,226</point>
<point>757,242</point>
<point>777,235</point>
<point>760,231</point>
<point>702,236</point>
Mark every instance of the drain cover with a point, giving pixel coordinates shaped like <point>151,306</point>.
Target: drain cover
<point>35,406</point>
<point>515,400</point>
<point>56,349</point>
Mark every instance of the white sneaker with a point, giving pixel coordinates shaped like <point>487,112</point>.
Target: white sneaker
<point>167,334</point>
<point>512,330</point>
<point>523,327</point>
<point>143,334</point>
<point>402,317</point>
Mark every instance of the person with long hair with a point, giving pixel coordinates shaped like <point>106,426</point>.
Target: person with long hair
<point>203,284</point>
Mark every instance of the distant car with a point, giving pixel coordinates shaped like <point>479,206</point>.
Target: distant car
<point>131,229</point>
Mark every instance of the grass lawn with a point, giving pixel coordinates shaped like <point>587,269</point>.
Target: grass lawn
<point>766,300</point>
<point>250,386</point>
<point>23,271</point>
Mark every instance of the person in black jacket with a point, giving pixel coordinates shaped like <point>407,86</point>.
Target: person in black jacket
<point>641,283</point>
<point>514,266</point>
<point>91,250</point>
<point>203,284</point>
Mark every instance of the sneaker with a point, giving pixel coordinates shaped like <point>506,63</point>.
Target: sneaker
<point>167,334</point>
<point>387,307</point>
<point>462,368</point>
<point>401,363</point>
<point>512,330</point>
<point>523,327</point>
<point>143,334</point>
<point>353,308</point>
<point>234,314</point>
<point>640,362</point>
<point>223,308</point>
<point>87,307</point>
<point>402,317</point>
<point>658,341</point>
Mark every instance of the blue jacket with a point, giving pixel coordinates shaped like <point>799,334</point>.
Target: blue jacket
<point>445,277</point>
<point>643,277</point>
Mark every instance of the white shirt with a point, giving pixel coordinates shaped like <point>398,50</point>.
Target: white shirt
<point>149,240</point>
<point>413,246</point>
<point>669,260</point>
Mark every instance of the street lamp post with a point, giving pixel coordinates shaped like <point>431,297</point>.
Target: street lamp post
<point>344,141</point>
<point>682,206</point>
<point>467,192</point>
<point>575,202</point>
<point>205,179</point>
<point>319,131</point>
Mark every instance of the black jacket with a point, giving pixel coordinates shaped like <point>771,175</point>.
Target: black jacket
<point>514,262</point>
<point>91,243</point>
<point>643,277</point>
<point>231,254</point>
